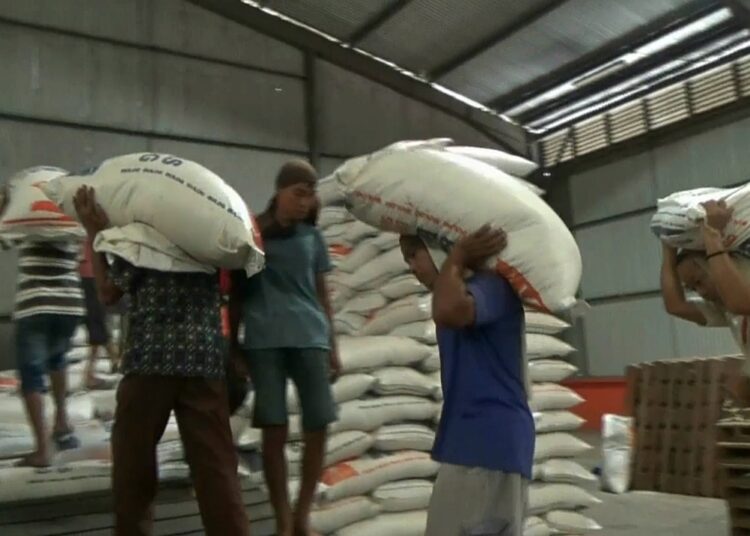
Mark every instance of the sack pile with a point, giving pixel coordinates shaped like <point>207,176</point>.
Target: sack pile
<point>87,469</point>
<point>561,487</point>
<point>378,469</point>
<point>375,297</point>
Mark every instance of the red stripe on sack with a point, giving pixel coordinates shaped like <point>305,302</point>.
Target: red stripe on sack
<point>521,285</point>
<point>59,221</point>
<point>45,206</point>
<point>338,473</point>
<point>338,249</point>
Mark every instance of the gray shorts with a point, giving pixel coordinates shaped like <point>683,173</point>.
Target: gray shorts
<point>470,501</point>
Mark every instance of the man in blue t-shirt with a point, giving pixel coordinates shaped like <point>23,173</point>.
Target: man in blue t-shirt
<point>485,441</point>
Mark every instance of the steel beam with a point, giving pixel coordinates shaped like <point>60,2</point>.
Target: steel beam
<point>638,68</point>
<point>311,109</point>
<point>740,9</point>
<point>601,55</point>
<point>497,37</point>
<point>646,89</point>
<point>509,135</point>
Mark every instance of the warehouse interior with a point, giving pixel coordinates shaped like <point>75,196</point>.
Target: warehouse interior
<point>619,103</point>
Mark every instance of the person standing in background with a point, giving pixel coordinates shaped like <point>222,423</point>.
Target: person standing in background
<point>173,359</point>
<point>485,440</point>
<point>289,335</point>
<point>48,308</point>
<point>96,323</point>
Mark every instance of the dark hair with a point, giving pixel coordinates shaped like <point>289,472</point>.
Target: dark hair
<point>410,244</point>
<point>296,172</point>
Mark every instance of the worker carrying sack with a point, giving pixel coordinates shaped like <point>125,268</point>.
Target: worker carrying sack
<point>28,214</point>
<point>678,218</point>
<point>167,214</point>
<point>423,188</point>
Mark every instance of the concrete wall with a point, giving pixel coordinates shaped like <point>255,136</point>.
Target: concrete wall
<point>84,80</point>
<point>609,205</point>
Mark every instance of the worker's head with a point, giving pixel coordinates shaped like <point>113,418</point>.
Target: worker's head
<point>295,197</point>
<point>692,270</point>
<point>418,257</point>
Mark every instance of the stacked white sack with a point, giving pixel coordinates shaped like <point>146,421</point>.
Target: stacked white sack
<point>374,296</point>
<point>73,472</point>
<point>88,468</point>
<point>378,468</point>
<point>562,487</point>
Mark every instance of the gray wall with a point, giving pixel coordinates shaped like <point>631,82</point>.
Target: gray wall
<point>84,80</point>
<point>610,203</point>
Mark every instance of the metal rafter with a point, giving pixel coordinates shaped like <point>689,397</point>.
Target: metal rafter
<point>377,21</point>
<point>603,54</point>
<point>506,134</point>
<point>638,68</point>
<point>661,84</point>
<point>741,9</point>
<point>466,55</point>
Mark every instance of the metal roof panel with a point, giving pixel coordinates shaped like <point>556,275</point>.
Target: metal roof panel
<point>575,28</point>
<point>338,18</point>
<point>427,33</point>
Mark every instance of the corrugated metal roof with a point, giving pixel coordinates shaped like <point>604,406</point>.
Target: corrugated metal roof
<point>701,93</point>
<point>574,29</point>
<point>567,70</point>
<point>428,33</point>
<point>339,18</point>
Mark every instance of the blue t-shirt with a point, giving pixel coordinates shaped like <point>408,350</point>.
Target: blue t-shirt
<point>486,420</point>
<point>281,308</point>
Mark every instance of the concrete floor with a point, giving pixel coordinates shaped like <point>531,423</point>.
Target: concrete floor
<point>645,513</point>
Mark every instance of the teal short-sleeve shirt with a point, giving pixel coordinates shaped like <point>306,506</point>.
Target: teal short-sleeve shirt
<point>281,306</point>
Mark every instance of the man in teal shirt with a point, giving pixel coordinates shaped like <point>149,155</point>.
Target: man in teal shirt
<point>288,335</point>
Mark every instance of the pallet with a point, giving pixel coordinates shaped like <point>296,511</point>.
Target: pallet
<point>734,459</point>
<point>675,405</point>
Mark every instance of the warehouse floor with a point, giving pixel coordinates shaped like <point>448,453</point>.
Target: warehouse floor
<point>641,513</point>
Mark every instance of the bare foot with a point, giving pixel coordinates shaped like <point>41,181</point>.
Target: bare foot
<point>35,459</point>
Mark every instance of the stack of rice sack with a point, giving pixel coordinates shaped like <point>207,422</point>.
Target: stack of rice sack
<point>561,487</point>
<point>85,469</point>
<point>378,477</point>
<point>73,472</point>
<point>168,214</point>
<point>404,188</point>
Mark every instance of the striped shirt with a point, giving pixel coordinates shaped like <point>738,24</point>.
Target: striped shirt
<point>48,280</point>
